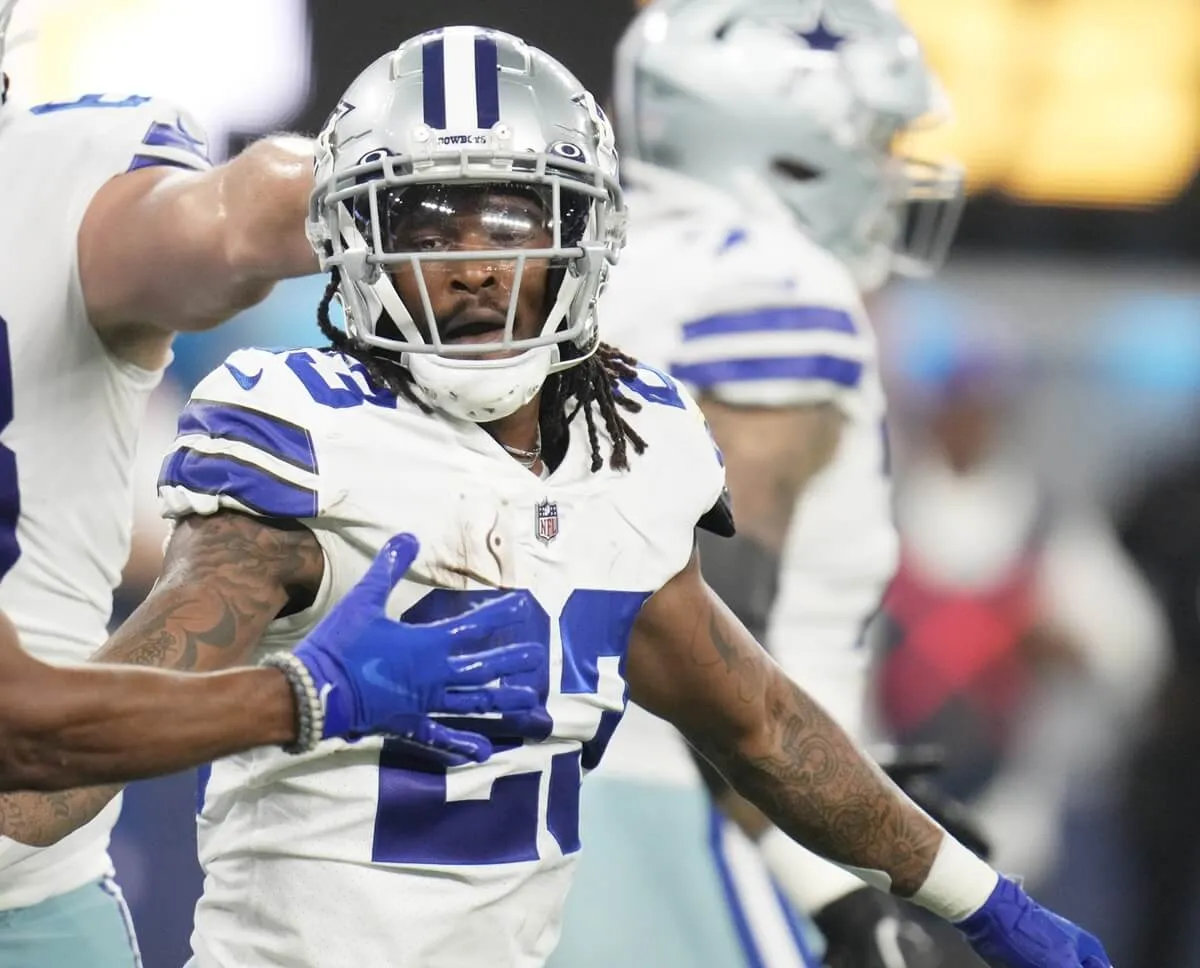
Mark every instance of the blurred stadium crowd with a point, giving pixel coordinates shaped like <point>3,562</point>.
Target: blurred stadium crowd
<point>1044,627</point>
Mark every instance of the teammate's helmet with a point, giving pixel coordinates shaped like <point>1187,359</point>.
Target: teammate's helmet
<point>468,108</point>
<point>798,101</point>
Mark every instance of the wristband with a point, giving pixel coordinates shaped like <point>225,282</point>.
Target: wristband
<point>959,883</point>
<point>310,711</point>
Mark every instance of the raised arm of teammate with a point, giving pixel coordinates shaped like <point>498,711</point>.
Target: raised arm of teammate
<point>163,250</point>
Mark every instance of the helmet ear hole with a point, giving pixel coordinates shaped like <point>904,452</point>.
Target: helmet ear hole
<point>794,170</point>
<point>576,211</point>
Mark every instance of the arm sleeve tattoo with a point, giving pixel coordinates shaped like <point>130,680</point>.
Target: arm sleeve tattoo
<point>224,579</point>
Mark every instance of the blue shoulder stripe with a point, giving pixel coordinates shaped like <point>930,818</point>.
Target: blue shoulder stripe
<point>773,320</point>
<point>88,101</point>
<point>287,441</point>
<point>260,491</point>
<point>846,373</point>
<point>162,135</point>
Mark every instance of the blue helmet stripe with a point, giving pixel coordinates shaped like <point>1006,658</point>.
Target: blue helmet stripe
<point>433,82</point>
<point>487,81</point>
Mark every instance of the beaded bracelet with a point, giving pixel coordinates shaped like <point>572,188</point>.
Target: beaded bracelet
<point>310,711</point>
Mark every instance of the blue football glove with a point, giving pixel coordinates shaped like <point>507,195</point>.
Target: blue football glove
<point>1012,930</point>
<point>376,675</point>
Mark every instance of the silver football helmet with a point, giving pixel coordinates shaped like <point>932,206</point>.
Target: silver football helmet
<point>799,101</point>
<point>444,124</point>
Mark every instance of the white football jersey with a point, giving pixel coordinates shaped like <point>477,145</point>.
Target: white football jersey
<point>744,308</point>
<point>349,856</point>
<point>69,412</point>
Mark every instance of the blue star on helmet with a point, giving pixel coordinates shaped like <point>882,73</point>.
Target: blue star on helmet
<point>821,37</point>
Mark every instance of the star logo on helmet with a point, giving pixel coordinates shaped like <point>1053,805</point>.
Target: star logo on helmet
<point>821,37</point>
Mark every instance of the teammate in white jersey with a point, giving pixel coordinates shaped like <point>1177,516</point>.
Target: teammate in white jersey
<point>764,174</point>
<point>119,233</point>
<point>467,206</point>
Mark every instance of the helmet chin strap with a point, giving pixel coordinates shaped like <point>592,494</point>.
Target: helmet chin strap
<point>467,390</point>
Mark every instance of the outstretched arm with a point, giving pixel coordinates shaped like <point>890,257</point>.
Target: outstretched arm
<point>70,727</point>
<point>692,662</point>
<point>224,579</point>
<point>771,453</point>
<point>356,673</point>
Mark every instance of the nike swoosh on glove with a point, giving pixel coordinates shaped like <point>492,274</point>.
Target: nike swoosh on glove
<point>1012,930</point>
<point>376,675</point>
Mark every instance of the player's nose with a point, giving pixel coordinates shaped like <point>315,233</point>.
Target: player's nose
<point>473,276</point>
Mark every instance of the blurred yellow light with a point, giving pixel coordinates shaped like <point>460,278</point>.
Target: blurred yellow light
<point>1075,102</point>
<point>246,79</point>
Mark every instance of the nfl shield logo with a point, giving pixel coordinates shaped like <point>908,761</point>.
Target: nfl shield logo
<point>547,521</point>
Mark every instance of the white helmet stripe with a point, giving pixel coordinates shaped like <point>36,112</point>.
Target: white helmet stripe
<point>459,79</point>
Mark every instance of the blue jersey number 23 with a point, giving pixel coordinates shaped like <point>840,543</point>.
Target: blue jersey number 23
<point>417,822</point>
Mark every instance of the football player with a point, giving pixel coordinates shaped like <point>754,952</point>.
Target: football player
<point>119,233</point>
<point>468,209</point>
<point>758,144</point>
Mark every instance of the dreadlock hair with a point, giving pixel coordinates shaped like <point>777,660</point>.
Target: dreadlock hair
<point>594,385</point>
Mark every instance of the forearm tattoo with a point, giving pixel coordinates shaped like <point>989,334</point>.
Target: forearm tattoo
<point>807,775</point>
<point>224,579</point>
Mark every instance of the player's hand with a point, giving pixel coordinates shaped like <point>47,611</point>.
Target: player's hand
<point>870,929</point>
<point>1012,930</point>
<point>376,675</point>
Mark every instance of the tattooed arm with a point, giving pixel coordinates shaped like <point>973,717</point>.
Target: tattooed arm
<point>693,663</point>
<point>224,579</point>
<point>65,727</point>
<point>771,453</point>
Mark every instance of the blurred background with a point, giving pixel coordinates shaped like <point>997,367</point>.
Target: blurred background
<point>1045,623</point>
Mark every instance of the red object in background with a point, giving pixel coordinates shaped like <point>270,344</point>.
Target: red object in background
<point>956,647</point>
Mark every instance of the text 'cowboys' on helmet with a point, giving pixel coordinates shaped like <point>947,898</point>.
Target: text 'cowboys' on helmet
<point>798,102</point>
<point>467,196</point>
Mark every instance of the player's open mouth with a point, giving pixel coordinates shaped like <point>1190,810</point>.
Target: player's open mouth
<point>474,326</point>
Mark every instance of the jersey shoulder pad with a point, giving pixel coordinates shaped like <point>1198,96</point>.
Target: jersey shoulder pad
<point>778,322</point>
<point>251,439</point>
<point>122,133</point>
<point>688,466</point>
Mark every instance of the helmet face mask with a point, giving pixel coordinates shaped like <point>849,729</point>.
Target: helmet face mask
<point>416,218</point>
<point>372,206</point>
<point>804,99</point>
